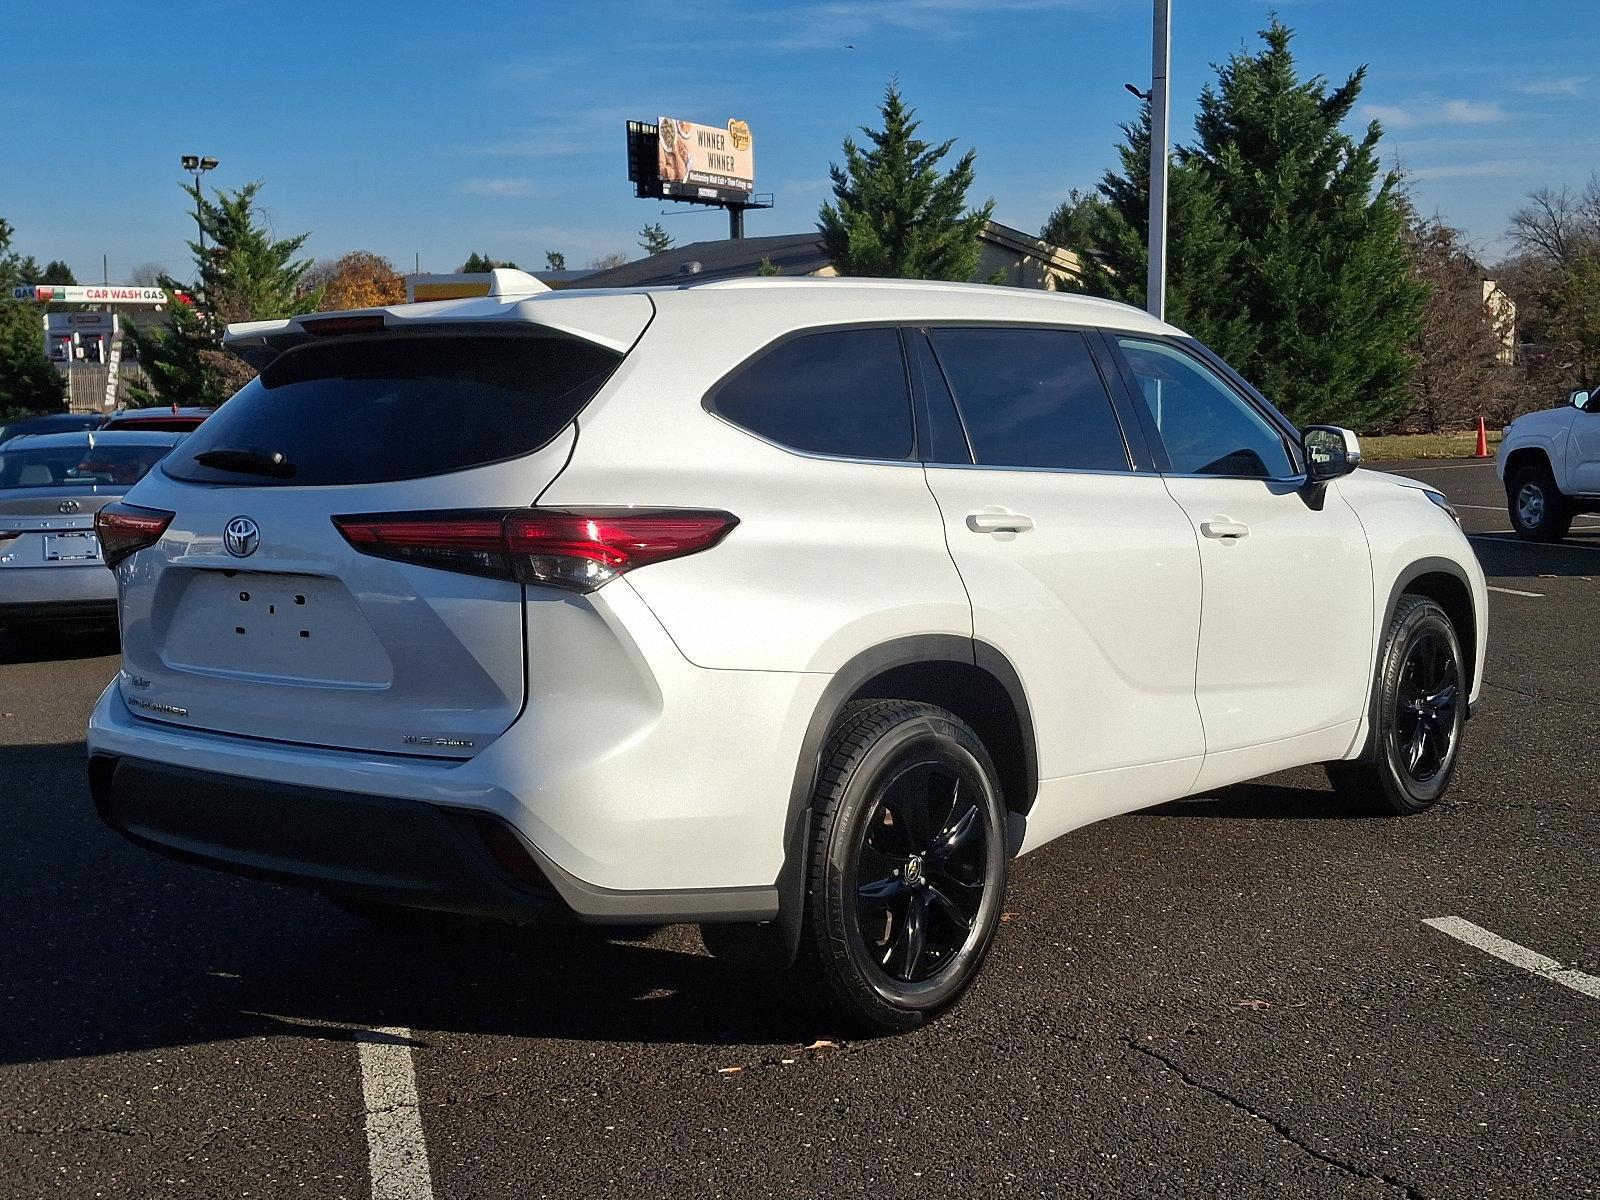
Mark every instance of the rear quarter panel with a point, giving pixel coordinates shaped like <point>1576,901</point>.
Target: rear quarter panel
<point>830,556</point>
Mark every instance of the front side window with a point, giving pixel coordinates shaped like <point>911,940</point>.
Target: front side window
<point>1206,427</point>
<point>1031,398</point>
<point>840,392</point>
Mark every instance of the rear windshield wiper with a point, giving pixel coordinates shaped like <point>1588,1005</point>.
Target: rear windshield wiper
<point>247,462</point>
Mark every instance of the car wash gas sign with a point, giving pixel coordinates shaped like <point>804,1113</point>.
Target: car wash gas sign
<point>97,293</point>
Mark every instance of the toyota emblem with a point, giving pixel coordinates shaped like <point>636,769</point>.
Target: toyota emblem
<point>68,506</point>
<point>241,536</point>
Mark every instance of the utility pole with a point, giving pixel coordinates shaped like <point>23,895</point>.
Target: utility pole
<point>1160,114</point>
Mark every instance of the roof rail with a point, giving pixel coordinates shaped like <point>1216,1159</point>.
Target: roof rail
<point>508,281</point>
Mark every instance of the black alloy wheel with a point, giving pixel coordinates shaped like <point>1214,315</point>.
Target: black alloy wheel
<point>1418,715</point>
<point>908,863</point>
<point>1422,733</point>
<point>921,871</point>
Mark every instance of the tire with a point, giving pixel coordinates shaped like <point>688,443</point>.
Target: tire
<point>1538,510</point>
<point>1418,716</point>
<point>907,864</point>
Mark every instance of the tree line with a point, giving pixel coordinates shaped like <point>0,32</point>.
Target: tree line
<point>1292,253</point>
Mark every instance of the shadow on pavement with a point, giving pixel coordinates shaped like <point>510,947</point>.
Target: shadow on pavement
<point>51,643</point>
<point>1508,557</point>
<point>1264,802</point>
<point>107,948</point>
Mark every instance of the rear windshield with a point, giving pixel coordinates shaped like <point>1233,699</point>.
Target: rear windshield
<point>77,466</point>
<point>382,409</point>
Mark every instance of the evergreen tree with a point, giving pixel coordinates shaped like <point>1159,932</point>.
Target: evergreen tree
<point>245,275</point>
<point>1320,273</point>
<point>654,239</point>
<point>554,260</point>
<point>57,272</point>
<point>1108,231</point>
<point>477,263</point>
<point>894,215</point>
<point>29,383</point>
<point>1286,248</point>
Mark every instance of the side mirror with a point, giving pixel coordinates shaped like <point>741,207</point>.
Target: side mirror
<point>1330,452</point>
<point>1580,400</point>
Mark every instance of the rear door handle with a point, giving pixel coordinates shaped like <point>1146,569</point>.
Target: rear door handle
<point>998,521</point>
<point>1222,527</point>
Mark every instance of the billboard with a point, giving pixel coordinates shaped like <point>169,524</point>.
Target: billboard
<point>99,293</point>
<point>685,160</point>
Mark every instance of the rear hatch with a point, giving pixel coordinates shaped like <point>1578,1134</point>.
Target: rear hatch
<point>254,616</point>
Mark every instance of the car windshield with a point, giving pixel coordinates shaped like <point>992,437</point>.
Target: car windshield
<point>77,466</point>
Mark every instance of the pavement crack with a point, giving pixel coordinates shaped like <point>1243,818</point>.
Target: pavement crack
<point>1506,687</point>
<point>1282,1130</point>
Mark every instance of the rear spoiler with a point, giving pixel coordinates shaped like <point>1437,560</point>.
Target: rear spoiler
<point>515,298</point>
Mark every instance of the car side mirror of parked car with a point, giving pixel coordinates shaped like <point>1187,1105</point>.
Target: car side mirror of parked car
<point>1330,452</point>
<point>1581,400</point>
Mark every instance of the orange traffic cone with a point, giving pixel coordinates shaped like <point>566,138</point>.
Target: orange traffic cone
<point>1483,441</point>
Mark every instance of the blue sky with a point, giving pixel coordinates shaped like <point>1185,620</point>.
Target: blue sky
<point>433,129</point>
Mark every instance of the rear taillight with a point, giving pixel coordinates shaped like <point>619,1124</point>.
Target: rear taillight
<point>124,528</point>
<point>578,551</point>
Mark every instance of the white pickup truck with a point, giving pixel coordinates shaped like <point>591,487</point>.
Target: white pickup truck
<point>1550,464</point>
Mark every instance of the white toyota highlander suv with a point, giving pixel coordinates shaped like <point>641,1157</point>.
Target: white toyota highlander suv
<point>796,609</point>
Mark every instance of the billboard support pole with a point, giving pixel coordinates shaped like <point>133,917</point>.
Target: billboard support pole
<point>735,221</point>
<point>1160,113</point>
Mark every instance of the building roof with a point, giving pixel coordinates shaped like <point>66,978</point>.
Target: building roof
<point>729,258</point>
<point>791,253</point>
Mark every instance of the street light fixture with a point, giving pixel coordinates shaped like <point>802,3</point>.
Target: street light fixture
<point>198,166</point>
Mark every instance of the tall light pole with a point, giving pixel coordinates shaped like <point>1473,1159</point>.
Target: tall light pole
<point>1160,113</point>
<point>198,166</point>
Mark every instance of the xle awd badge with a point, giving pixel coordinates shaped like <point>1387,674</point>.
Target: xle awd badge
<point>241,536</point>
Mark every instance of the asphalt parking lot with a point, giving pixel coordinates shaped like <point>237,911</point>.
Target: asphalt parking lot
<point>1235,994</point>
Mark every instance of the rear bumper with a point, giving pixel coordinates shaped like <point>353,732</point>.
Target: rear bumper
<point>387,848</point>
<point>58,610</point>
<point>57,593</point>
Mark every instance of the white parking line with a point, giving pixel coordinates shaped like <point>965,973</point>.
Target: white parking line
<point>396,1154</point>
<point>1517,956</point>
<point>1514,592</point>
<point>1477,462</point>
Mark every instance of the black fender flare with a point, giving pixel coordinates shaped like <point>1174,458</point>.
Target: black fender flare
<point>1413,572</point>
<point>847,681</point>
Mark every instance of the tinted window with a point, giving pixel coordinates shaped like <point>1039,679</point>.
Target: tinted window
<point>842,392</point>
<point>1206,426</point>
<point>945,440</point>
<point>400,408</point>
<point>1031,398</point>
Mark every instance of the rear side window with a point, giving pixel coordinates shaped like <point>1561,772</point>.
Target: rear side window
<point>382,409</point>
<point>842,392</point>
<point>1031,398</point>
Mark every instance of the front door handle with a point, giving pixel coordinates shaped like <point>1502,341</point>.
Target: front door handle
<point>998,521</point>
<point>1222,527</point>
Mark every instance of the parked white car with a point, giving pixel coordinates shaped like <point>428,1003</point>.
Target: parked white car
<point>793,608</point>
<point>1549,462</point>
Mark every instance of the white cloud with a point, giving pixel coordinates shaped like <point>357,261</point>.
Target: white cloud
<point>496,187</point>
<point>840,23</point>
<point>1488,168</point>
<point>1571,85</point>
<point>1430,110</point>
